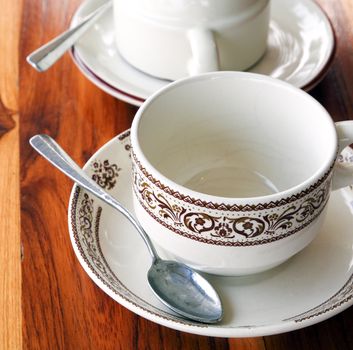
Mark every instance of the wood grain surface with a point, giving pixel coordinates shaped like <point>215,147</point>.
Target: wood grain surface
<point>10,263</point>
<point>61,307</point>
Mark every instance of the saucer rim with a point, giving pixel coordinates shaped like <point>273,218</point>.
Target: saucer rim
<point>179,323</point>
<point>101,83</point>
<point>324,70</point>
<point>138,100</point>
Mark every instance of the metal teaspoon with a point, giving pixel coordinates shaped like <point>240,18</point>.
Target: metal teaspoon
<point>178,286</point>
<point>45,56</point>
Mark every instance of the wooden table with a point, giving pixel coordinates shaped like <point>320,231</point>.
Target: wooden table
<point>61,307</point>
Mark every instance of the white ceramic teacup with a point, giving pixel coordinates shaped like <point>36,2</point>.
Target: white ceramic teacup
<point>232,171</point>
<point>174,39</point>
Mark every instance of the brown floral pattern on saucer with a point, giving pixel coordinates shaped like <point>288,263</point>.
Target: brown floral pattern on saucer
<point>105,174</point>
<point>86,217</point>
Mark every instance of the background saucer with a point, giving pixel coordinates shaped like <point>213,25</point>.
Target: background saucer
<point>300,49</point>
<point>312,286</point>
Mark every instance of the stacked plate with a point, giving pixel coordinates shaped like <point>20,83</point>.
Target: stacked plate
<point>300,49</point>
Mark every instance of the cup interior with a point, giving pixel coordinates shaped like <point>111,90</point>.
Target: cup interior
<point>235,135</point>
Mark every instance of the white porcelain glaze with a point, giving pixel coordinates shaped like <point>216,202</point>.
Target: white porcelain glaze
<point>264,169</point>
<point>189,11</point>
<point>299,51</point>
<point>311,287</point>
<point>174,39</point>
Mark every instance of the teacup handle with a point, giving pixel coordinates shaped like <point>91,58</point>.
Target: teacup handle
<point>204,51</point>
<point>343,172</point>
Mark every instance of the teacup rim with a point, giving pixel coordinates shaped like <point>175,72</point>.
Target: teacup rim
<point>306,186</point>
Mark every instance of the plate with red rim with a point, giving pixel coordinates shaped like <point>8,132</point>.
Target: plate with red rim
<point>314,285</point>
<point>301,48</point>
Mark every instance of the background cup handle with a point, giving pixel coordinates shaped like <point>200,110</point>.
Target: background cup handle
<point>204,51</point>
<point>343,172</point>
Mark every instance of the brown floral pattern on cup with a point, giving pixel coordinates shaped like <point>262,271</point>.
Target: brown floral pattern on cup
<point>228,207</point>
<point>214,227</point>
<point>345,158</point>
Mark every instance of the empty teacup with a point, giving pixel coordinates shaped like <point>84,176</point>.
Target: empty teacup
<point>174,39</point>
<point>233,171</point>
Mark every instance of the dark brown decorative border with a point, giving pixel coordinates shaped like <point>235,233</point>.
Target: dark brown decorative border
<point>112,90</point>
<point>124,135</point>
<point>344,295</point>
<point>230,228</point>
<point>229,207</point>
<point>228,243</point>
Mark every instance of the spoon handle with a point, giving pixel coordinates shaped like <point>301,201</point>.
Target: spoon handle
<point>52,152</point>
<point>44,57</point>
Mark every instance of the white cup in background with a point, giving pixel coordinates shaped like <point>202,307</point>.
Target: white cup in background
<point>173,39</point>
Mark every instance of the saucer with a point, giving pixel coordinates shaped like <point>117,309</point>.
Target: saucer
<point>312,286</point>
<point>300,50</point>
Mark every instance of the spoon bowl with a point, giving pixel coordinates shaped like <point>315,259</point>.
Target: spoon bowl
<point>184,291</point>
<point>177,285</point>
